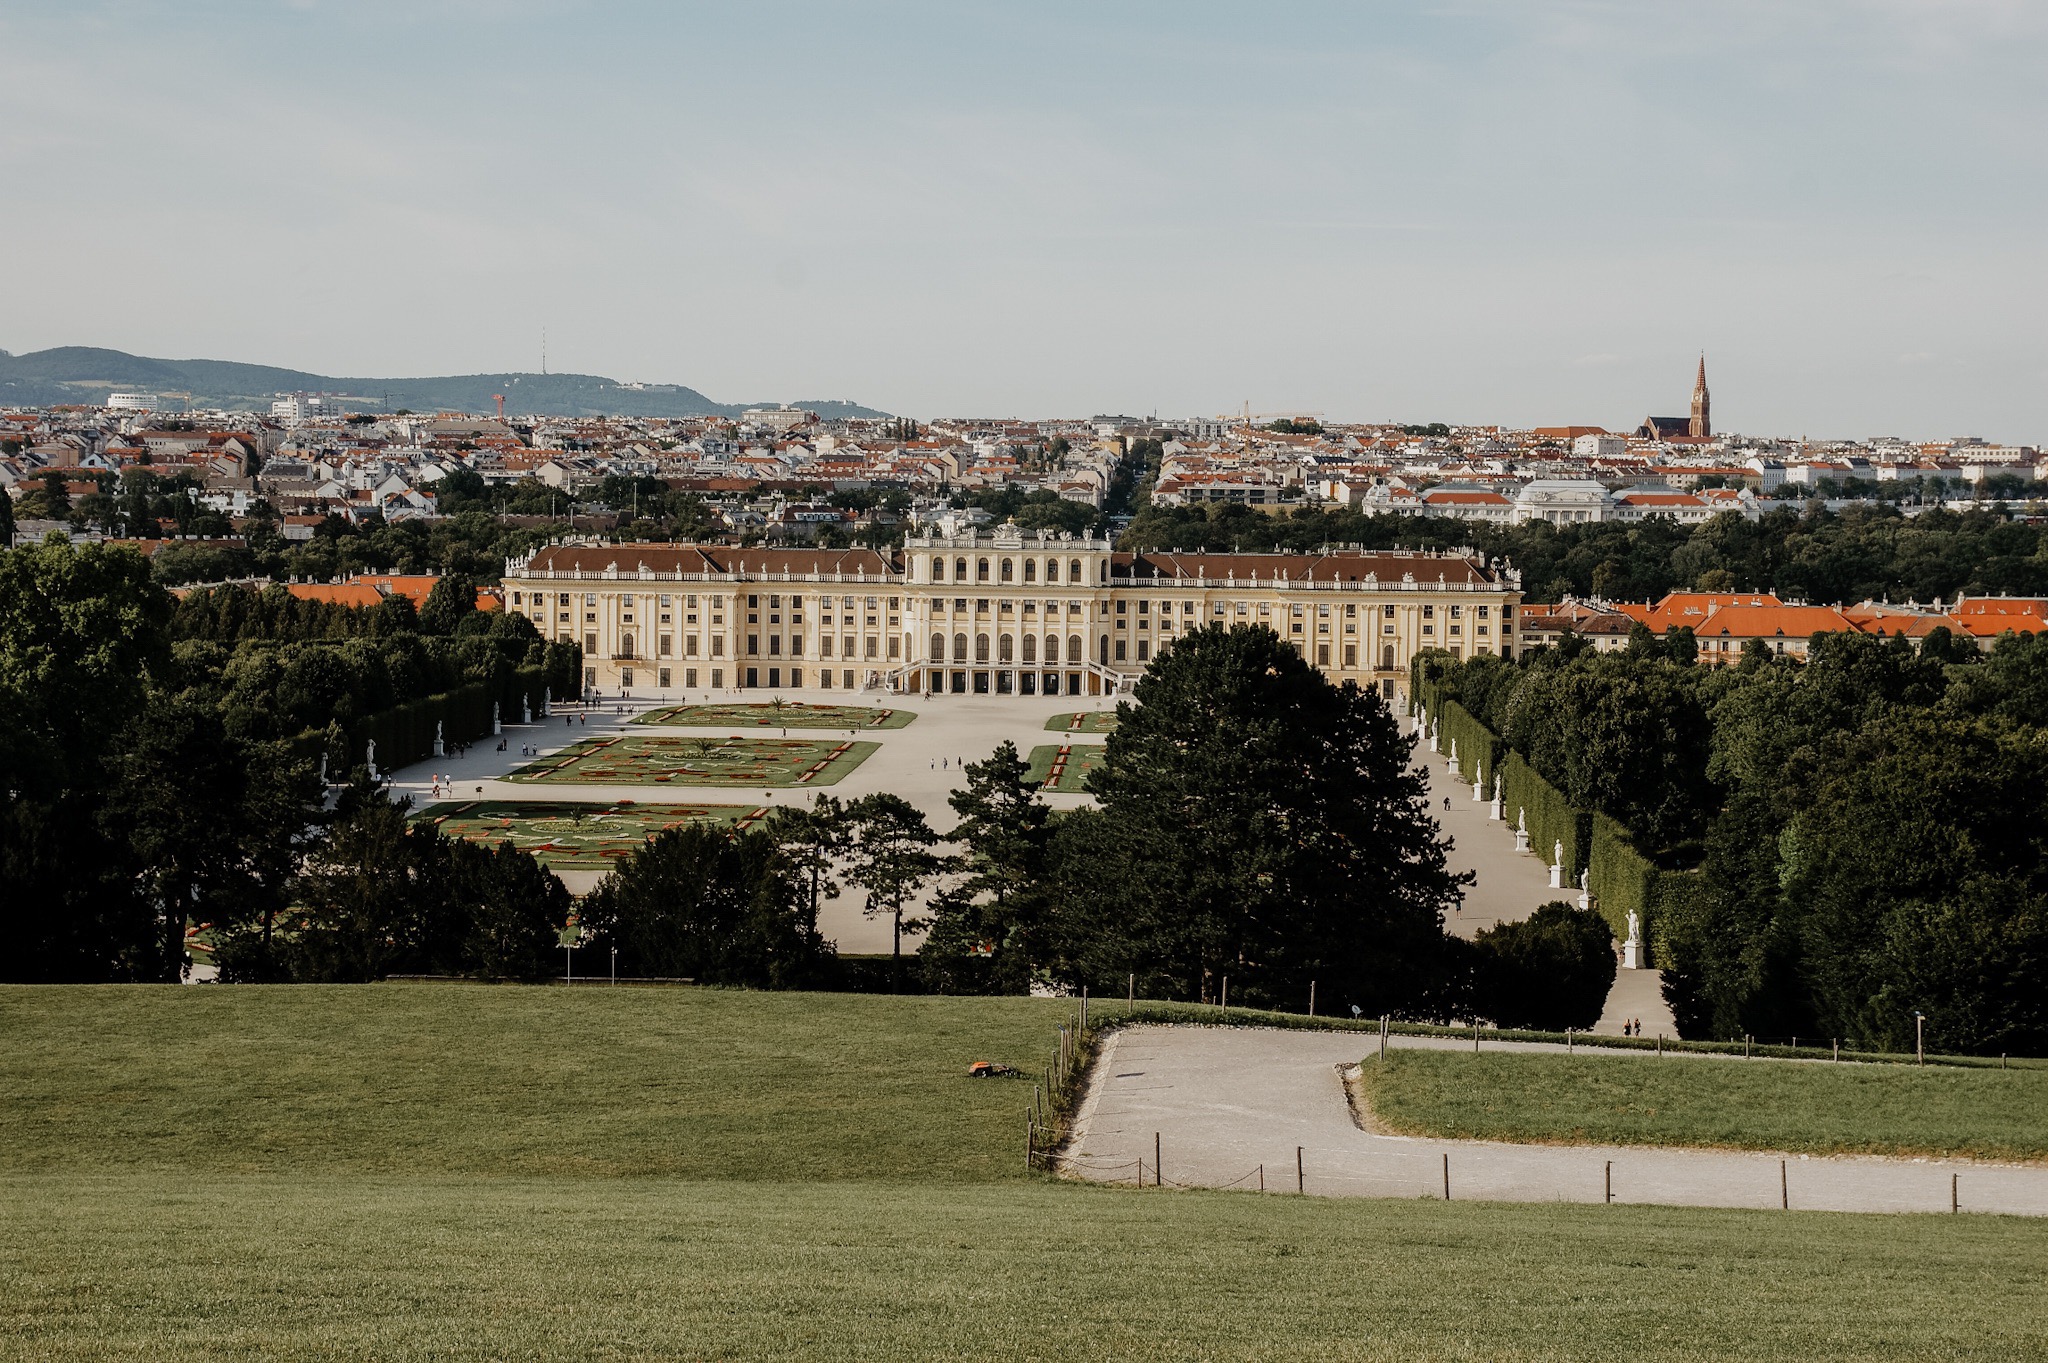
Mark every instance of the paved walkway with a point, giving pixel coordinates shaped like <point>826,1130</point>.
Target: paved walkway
<point>1512,885</point>
<point>1225,1101</point>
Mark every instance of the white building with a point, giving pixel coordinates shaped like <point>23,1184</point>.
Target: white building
<point>134,402</point>
<point>1601,446</point>
<point>294,408</point>
<point>1562,501</point>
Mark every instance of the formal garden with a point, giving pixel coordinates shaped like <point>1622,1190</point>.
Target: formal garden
<point>567,836</point>
<point>1083,722</point>
<point>732,761</point>
<point>777,714</point>
<point>1064,767</point>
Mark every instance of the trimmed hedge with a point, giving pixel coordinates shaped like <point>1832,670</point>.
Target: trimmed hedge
<point>1551,820</point>
<point>1478,750</point>
<point>1622,879</point>
<point>404,734</point>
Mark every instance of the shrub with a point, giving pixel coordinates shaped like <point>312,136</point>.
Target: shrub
<point>1551,971</point>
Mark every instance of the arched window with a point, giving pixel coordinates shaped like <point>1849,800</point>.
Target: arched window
<point>1004,648</point>
<point>938,648</point>
<point>959,570</point>
<point>981,570</point>
<point>1004,571</point>
<point>938,569</point>
<point>1031,570</point>
<point>1387,657</point>
<point>1052,570</point>
<point>1074,571</point>
<point>960,648</point>
<point>1105,648</point>
<point>981,648</point>
<point>1030,642</point>
<point>1074,654</point>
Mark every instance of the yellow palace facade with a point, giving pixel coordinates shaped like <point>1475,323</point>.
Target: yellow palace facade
<point>1008,613</point>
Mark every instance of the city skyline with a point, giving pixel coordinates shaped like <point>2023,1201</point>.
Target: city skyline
<point>1474,214</point>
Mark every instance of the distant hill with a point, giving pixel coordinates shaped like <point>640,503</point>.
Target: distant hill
<point>87,374</point>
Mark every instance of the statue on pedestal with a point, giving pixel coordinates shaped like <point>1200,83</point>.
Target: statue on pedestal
<point>1495,814</point>
<point>497,725</point>
<point>525,710</point>
<point>1585,889</point>
<point>323,768</point>
<point>1557,866</point>
<point>1433,739</point>
<point>1632,949</point>
<point>1478,788</point>
<point>370,759</point>
<point>547,701</point>
<point>440,747</point>
<point>1521,830</point>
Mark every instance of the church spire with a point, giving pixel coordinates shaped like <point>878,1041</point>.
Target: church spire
<point>1701,424</point>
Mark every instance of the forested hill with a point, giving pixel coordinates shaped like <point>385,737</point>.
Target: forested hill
<point>87,374</point>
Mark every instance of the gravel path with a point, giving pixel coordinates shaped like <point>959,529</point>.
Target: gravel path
<point>1226,1101</point>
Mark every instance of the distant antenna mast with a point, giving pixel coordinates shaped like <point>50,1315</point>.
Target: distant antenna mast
<point>543,350</point>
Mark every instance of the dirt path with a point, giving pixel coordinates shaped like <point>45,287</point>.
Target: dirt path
<point>1226,1101</point>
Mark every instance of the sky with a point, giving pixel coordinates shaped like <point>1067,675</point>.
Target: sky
<point>1522,212</point>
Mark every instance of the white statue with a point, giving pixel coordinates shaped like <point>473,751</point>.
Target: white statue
<point>1521,830</point>
<point>497,726</point>
<point>440,747</point>
<point>323,769</point>
<point>1557,866</point>
<point>525,710</point>
<point>1478,789</point>
<point>1585,890</point>
<point>1495,814</point>
<point>370,759</point>
<point>1433,739</point>
<point>547,701</point>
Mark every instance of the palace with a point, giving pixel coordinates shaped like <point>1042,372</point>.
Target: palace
<point>1014,612</point>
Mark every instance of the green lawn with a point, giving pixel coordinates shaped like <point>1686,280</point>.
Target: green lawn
<point>422,1171</point>
<point>1063,767</point>
<point>505,1081</point>
<point>1812,1108</point>
<point>567,836</point>
<point>794,714</point>
<point>733,761</point>
<point>154,1267</point>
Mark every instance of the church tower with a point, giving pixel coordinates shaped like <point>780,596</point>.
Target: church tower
<point>1701,424</point>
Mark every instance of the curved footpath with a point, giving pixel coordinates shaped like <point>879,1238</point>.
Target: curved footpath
<point>1225,1101</point>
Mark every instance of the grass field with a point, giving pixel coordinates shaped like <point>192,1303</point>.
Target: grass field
<point>468,1172</point>
<point>1083,722</point>
<point>508,1081</point>
<point>1811,1108</point>
<point>734,761</point>
<point>568,836</point>
<point>154,1268</point>
<point>1063,766</point>
<point>794,714</point>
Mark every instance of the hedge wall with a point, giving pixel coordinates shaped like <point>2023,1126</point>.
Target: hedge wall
<point>1478,750</point>
<point>1622,879</point>
<point>1551,820</point>
<point>405,733</point>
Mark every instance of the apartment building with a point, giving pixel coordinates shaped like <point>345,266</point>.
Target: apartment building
<point>1004,612</point>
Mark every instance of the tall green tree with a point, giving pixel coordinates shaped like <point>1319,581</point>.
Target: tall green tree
<point>811,841</point>
<point>700,903</point>
<point>890,859</point>
<point>1256,821</point>
<point>1000,911</point>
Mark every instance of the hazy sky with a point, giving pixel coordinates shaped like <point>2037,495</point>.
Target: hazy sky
<point>1522,212</point>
